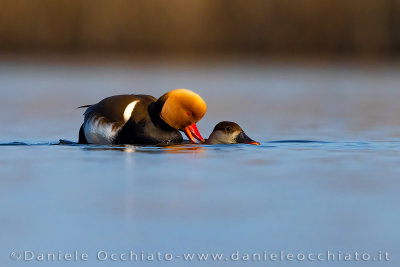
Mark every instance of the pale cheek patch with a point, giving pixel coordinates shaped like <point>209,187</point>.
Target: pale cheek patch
<point>98,131</point>
<point>219,137</point>
<point>129,109</point>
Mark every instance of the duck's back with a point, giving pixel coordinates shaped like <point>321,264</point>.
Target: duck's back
<point>117,108</point>
<point>124,119</point>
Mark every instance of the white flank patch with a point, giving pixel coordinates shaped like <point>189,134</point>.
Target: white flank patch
<point>98,132</point>
<point>129,109</point>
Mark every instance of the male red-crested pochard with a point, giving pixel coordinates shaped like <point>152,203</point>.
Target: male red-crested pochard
<point>143,119</point>
<point>227,132</point>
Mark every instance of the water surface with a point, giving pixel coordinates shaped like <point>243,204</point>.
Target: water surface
<point>325,177</point>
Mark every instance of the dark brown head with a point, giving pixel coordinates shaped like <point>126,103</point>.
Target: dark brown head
<point>227,132</point>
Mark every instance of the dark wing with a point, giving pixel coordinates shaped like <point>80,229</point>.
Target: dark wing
<point>113,107</point>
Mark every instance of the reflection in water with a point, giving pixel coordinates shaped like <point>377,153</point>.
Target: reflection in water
<point>200,148</point>
<point>173,149</point>
<point>188,148</point>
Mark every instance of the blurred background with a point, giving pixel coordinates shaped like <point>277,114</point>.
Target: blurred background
<point>293,65</point>
<point>314,70</point>
<point>267,27</point>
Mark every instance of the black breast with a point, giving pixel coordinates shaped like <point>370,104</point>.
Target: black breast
<point>145,132</point>
<point>146,127</point>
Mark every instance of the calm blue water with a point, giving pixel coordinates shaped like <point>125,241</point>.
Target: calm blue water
<point>326,176</point>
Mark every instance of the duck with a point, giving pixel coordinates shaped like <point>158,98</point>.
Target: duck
<point>227,132</point>
<point>143,119</point>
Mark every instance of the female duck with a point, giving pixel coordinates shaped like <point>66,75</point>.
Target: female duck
<point>143,119</point>
<point>227,132</point>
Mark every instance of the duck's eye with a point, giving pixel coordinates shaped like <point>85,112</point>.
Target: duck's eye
<point>228,129</point>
